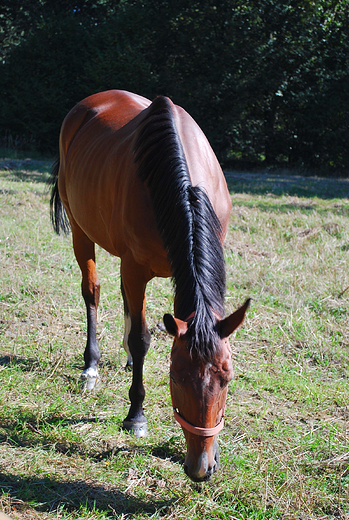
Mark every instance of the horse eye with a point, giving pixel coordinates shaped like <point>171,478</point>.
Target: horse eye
<point>221,375</point>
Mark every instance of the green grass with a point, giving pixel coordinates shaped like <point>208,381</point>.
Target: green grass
<point>284,449</point>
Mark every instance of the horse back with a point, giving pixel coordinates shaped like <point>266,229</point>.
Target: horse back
<point>98,181</point>
<point>114,108</point>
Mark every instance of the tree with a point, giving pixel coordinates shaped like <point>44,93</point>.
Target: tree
<point>267,80</point>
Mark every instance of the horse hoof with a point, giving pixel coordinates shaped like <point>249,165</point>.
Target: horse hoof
<point>90,379</point>
<point>137,428</point>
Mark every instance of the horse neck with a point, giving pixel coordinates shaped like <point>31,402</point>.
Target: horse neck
<point>186,220</point>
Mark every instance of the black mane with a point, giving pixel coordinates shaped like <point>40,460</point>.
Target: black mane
<point>187,223</point>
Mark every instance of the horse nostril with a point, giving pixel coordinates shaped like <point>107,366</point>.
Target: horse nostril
<point>195,478</point>
<point>216,459</point>
<point>210,472</point>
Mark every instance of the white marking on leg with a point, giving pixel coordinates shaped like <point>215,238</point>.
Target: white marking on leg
<point>90,372</point>
<point>91,378</point>
<point>126,335</point>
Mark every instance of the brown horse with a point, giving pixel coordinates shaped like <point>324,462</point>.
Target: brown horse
<point>141,180</point>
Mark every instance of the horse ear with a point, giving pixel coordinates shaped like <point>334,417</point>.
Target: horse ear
<point>228,325</point>
<point>174,326</point>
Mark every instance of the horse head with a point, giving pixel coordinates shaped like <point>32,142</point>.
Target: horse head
<point>199,390</point>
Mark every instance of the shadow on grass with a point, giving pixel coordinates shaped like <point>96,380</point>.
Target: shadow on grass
<point>25,364</point>
<point>27,432</point>
<point>168,451</point>
<point>287,184</point>
<point>53,495</point>
<point>26,170</point>
<point>281,207</point>
<point>48,494</point>
<point>257,183</point>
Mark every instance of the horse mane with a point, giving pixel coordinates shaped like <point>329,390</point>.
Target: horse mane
<point>188,225</point>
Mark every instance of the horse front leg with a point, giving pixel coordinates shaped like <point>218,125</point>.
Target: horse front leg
<point>84,250</point>
<point>134,280</point>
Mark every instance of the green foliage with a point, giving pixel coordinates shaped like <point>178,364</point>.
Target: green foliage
<point>266,80</point>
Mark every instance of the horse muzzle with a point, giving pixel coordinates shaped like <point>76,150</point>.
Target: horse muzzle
<point>201,468</point>
<point>202,458</point>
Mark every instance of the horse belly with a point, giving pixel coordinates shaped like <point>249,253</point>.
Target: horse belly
<point>112,206</point>
<point>141,236</point>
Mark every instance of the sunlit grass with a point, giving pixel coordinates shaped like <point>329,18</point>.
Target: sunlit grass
<point>284,449</point>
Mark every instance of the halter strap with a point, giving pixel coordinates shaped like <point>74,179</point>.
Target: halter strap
<point>196,430</point>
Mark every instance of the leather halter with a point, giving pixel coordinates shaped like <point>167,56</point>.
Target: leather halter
<point>196,430</point>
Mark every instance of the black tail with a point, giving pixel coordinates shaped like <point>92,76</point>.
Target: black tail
<point>59,217</point>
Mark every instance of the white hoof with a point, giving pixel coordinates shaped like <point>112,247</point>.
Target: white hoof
<point>90,379</point>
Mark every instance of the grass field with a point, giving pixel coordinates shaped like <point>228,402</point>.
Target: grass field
<point>284,449</point>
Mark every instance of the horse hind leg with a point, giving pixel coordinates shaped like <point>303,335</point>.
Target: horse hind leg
<point>84,250</point>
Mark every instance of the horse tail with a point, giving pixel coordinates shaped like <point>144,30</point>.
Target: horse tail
<point>59,217</point>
